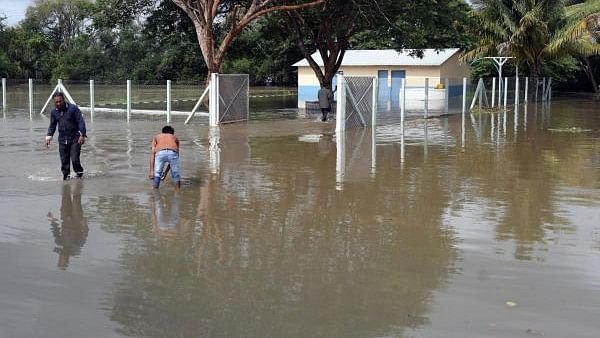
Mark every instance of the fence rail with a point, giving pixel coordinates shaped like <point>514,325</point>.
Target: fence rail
<point>120,98</point>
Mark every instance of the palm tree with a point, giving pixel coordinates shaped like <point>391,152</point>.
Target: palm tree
<point>519,28</point>
<point>580,34</point>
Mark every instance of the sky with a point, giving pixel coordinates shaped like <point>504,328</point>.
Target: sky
<point>14,10</point>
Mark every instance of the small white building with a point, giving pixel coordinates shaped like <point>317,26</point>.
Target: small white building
<point>389,67</point>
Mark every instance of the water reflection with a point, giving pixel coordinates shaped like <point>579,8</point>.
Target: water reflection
<point>167,220</point>
<point>71,230</point>
<point>276,250</point>
<point>518,178</point>
<point>356,155</point>
<point>265,243</point>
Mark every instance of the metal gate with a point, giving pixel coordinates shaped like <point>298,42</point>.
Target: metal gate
<point>233,98</point>
<point>356,102</point>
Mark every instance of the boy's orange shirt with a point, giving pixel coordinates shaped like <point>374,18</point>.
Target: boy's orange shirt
<point>164,141</point>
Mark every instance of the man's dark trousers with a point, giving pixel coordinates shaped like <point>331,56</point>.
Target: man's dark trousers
<point>69,152</point>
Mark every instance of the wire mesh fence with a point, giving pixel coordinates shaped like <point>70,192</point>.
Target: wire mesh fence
<point>425,98</point>
<point>417,97</point>
<point>358,101</point>
<point>420,97</point>
<point>233,97</point>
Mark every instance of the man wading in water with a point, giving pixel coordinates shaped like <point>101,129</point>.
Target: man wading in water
<point>71,134</point>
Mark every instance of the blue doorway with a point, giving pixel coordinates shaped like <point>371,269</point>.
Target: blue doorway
<point>397,76</point>
<point>383,92</point>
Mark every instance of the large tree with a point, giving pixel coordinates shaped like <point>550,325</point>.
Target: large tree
<point>218,22</point>
<point>327,29</point>
<point>338,25</point>
<point>580,34</point>
<point>54,40</point>
<point>519,28</point>
<point>60,20</point>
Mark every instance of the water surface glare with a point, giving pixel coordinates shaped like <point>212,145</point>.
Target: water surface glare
<point>283,230</point>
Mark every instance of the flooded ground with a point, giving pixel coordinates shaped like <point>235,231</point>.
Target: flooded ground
<point>282,230</point>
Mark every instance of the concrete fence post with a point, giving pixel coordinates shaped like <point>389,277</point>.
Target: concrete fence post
<point>128,100</point>
<point>505,91</point>
<point>3,93</point>
<point>447,98</point>
<point>402,105</point>
<point>426,110</point>
<point>340,119</point>
<point>168,101</point>
<point>30,83</point>
<point>494,92</point>
<point>516,90</point>
<point>526,89</point>
<point>92,103</point>
<point>374,105</point>
<point>214,100</point>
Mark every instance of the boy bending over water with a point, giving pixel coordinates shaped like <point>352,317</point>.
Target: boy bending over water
<point>165,149</point>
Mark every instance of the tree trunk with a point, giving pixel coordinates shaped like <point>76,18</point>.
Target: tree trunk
<point>206,41</point>
<point>535,69</point>
<point>204,12</point>
<point>587,67</point>
<point>332,47</point>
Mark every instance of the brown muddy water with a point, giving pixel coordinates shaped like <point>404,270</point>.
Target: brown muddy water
<point>494,232</point>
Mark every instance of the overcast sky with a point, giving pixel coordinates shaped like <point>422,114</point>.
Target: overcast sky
<point>14,10</point>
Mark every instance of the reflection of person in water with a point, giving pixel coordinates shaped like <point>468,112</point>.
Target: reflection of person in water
<point>71,232</point>
<point>166,220</point>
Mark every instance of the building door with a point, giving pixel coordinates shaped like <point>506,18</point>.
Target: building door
<point>397,76</point>
<point>383,94</point>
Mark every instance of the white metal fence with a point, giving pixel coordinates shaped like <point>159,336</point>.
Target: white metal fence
<point>135,100</point>
<point>361,104</point>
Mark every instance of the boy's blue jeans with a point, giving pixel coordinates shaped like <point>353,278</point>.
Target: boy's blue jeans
<point>162,157</point>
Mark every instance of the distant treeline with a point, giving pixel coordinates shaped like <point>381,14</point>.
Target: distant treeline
<point>154,40</point>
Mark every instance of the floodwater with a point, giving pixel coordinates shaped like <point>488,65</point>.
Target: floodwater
<point>283,230</point>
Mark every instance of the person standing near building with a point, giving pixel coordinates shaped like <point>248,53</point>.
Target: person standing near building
<point>71,134</point>
<point>165,149</point>
<point>325,98</point>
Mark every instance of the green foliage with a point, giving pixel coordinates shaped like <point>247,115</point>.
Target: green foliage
<point>580,31</point>
<point>154,40</point>
<point>563,71</point>
<point>429,24</point>
<point>418,25</point>
<point>172,46</point>
<point>264,51</point>
<point>111,14</point>
<point>519,28</point>
<point>61,21</point>
<point>339,25</point>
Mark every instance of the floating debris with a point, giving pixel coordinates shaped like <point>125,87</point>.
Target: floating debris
<point>534,332</point>
<point>487,110</point>
<point>569,130</point>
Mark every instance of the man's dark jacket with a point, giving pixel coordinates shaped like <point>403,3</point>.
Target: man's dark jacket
<point>70,123</point>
